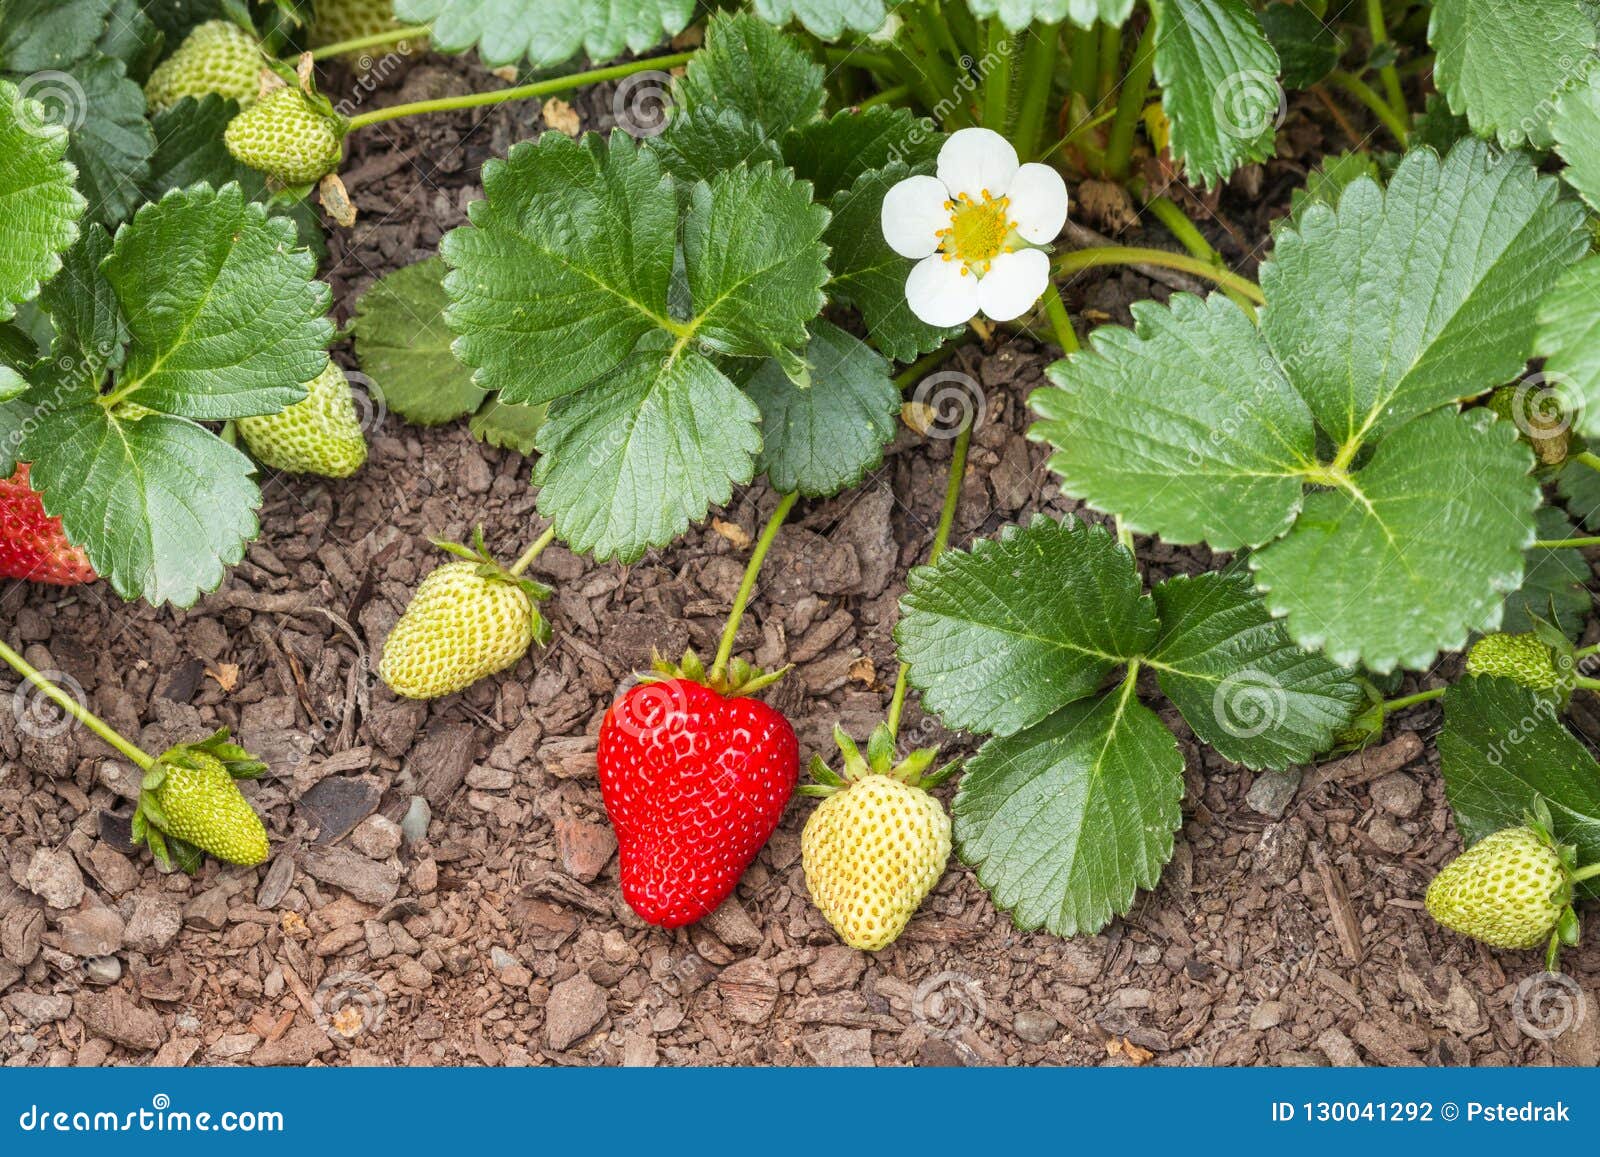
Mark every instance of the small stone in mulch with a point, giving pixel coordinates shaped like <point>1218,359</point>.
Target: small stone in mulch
<point>414,827</point>
<point>1267,1014</point>
<point>54,877</point>
<point>102,970</point>
<point>575,1007</point>
<point>1036,1027</point>
<point>113,1016</point>
<point>376,837</point>
<point>1398,794</point>
<point>90,932</point>
<point>1273,792</point>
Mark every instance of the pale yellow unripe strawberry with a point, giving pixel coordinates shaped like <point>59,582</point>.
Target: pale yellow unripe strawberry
<point>217,57</point>
<point>1508,890</point>
<point>878,842</point>
<point>468,620</point>
<point>320,434</point>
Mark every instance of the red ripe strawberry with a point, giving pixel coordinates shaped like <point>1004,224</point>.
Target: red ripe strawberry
<point>695,779</point>
<point>32,544</point>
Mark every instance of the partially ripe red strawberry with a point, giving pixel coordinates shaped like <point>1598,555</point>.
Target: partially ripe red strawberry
<point>32,544</point>
<point>695,781</point>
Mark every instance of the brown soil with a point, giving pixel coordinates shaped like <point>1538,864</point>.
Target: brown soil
<point>1287,929</point>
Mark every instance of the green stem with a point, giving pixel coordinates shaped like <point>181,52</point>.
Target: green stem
<point>914,373</point>
<point>1374,103</point>
<point>1055,311</point>
<point>1588,873</point>
<point>1084,66</point>
<point>521,92</point>
<point>1038,71</point>
<point>376,40</point>
<point>997,81</point>
<point>1130,103</point>
<point>1412,700</point>
<point>533,552</point>
<point>748,584</point>
<point>1108,66</point>
<point>859,58</point>
<point>941,539</point>
<point>1391,78</point>
<point>1189,235</point>
<point>1076,260</point>
<point>1585,652</point>
<point>1564,543</point>
<point>1585,683</point>
<point>1588,458</point>
<point>75,709</point>
<point>887,96</point>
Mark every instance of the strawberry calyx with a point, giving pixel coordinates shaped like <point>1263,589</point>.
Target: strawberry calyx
<point>738,681</point>
<point>490,568</point>
<point>1568,929</point>
<point>150,818</point>
<point>878,760</point>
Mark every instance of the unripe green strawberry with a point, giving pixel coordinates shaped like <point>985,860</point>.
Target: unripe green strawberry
<point>1509,890</point>
<point>218,56</point>
<point>341,20</point>
<point>1524,658</point>
<point>317,435</point>
<point>876,846</point>
<point>199,802</point>
<point>288,136</point>
<point>468,620</point>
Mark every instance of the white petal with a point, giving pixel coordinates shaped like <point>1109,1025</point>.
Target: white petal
<point>940,293</point>
<point>913,213</point>
<point>1014,282</point>
<point>1038,203</point>
<point>977,161</point>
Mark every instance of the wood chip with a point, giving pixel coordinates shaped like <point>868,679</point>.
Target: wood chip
<point>1345,924</point>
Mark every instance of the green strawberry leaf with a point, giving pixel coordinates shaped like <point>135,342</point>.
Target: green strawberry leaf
<point>133,38</point>
<point>825,19</point>
<point>508,426</point>
<point>1460,251</point>
<point>1328,181</point>
<point>756,70</point>
<point>1212,443</point>
<point>161,505</point>
<point>1568,338</point>
<point>1503,66</point>
<point>696,146</point>
<point>1580,489</point>
<point>1239,680</point>
<point>1308,49</point>
<point>1414,551</point>
<point>37,199</point>
<point>1018,14</point>
<point>1553,584</point>
<point>833,154</point>
<point>549,32</point>
<point>225,317</point>
<point>872,277</point>
<point>46,35</point>
<point>1502,746</point>
<point>403,346</point>
<point>113,145</point>
<point>825,438</point>
<point>90,335</point>
<point>999,637</point>
<point>1219,85</point>
<point>12,386</point>
<point>1577,137</point>
<point>1066,820</point>
<point>630,462</point>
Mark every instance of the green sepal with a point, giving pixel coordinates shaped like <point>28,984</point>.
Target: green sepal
<point>489,568</point>
<point>158,846</point>
<point>185,855</point>
<point>1568,929</point>
<point>153,778</point>
<point>155,815</point>
<point>741,679</point>
<point>239,763</point>
<point>825,777</point>
<point>140,826</point>
<point>879,760</point>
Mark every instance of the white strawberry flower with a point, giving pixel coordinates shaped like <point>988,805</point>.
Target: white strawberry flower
<point>971,229</point>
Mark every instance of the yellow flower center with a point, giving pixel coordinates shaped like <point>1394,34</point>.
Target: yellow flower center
<point>979,231</point>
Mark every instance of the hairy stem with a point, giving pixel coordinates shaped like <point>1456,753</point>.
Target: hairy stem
<point>533,552</point>
<point>1374,103</point>
<point>1130,103</point>
<point>1038,70</point>
<point>1391,77</point>
<point>748,584</point>
<point>997,81</point>
<point>376,40</point>
<point>887,96</point>
<point>1060,323</point>
<point>941,539</point>
<point>1412,700</point>
<point>1189,235</point>
<point>1104,255</point>
<point>521,92</point>
<point>75,709</point>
